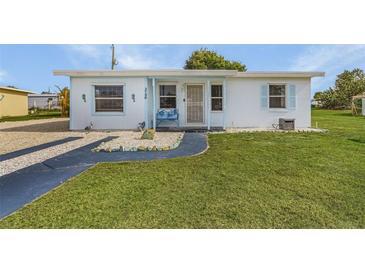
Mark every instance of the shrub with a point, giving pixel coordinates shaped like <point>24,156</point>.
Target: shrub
<point>148,134</point>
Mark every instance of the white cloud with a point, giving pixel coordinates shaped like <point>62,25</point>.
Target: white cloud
<point>135,62</point>
<point>329,57</point>
<point>90,51</point>
<point>88,56</point>
<point>2,74</point>
<point>136,57</point>
<point>99,56</point>
<point>332,59</point>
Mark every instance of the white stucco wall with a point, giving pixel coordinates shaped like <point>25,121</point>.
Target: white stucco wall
<point>244,108</point>
<point>82,113</point>
<point>216,118</point>
<point>363,106</point>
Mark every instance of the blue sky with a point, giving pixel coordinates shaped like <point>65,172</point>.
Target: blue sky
<point>30,66</point>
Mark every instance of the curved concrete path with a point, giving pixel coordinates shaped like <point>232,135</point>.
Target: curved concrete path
<point>25,185</point>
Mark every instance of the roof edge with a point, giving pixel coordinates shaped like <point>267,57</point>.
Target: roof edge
<point>186,72</point>
<point>291,74</point>
<point>144,73</point>
<point>16,89</point>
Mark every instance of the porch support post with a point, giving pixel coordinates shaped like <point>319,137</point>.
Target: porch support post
<point>209,104</point>
<point>154,102</point>
<point>146,102</point>
<point>224,103</point>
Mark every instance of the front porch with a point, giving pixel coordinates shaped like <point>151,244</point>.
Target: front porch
<point>185,103</point>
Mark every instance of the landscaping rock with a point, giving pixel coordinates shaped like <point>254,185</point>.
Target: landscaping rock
<point>133,141</point>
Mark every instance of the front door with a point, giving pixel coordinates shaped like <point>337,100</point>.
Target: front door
<point>195,104</point>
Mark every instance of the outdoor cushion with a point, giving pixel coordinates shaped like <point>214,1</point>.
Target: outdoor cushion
<point>162,114</point>
<point>172,114</point>
<point>165,114</point>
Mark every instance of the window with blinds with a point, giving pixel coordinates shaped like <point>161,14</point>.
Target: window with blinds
<point>217,97</point>
<point>277,96</point>
<point>167,96</point>
<point>109,99</point>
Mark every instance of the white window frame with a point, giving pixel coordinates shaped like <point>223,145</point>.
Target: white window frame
<point>167,96</point>
<point>211,97</point>
<point>108,113</point>
<point>277,96</point>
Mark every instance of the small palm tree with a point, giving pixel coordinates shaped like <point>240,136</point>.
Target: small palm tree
<point>64,99</point>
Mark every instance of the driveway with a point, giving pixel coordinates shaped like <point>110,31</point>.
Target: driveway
<point>24,134</point>
<point>23,186</point>
<point>29,142</point>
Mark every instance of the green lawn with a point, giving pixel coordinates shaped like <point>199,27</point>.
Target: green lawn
<point>35,116</point>
<point>246,180</point>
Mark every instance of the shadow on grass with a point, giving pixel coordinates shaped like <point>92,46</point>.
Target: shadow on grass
<point>359,140</point>
<point>347,114</point>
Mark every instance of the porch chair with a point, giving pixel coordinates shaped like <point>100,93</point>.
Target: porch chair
<point>167,115</point>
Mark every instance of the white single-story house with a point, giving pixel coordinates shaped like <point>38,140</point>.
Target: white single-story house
<point>188,98</point>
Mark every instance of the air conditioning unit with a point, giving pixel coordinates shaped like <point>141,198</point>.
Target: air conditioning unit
<point>286,124</point>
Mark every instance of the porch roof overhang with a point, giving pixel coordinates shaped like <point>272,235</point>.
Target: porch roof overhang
<point>169,73</point>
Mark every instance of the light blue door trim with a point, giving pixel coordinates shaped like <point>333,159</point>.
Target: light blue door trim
<point>154,102</point>
<point>145,96</point>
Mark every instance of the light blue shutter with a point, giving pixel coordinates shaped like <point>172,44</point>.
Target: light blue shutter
<point>292,100</point>
<point>264,94</point>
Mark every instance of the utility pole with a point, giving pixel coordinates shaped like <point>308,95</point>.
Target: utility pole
<point>114,60</point>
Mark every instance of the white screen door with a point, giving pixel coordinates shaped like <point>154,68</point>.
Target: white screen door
<point>195,104</point>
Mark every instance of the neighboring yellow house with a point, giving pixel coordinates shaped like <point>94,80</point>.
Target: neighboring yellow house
<point>13,102</point>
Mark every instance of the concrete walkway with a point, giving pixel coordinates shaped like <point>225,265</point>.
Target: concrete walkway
<point>23,186</point>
